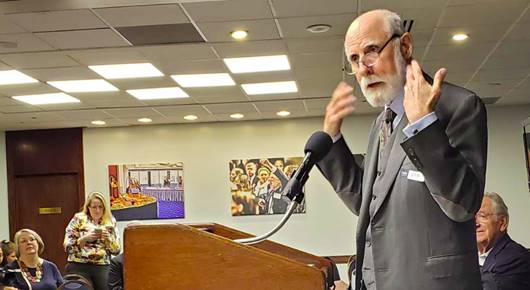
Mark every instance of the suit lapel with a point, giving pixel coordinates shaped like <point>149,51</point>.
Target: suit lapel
<point>395,160</point>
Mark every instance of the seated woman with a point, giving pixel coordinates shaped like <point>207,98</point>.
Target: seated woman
<point>90,240</point>
<point>35,272</point>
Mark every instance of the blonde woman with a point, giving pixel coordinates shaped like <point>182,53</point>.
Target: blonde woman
<point>35,273</point>
<point>90,240</point>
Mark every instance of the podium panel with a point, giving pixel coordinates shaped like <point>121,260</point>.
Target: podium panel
<point>176,256</point>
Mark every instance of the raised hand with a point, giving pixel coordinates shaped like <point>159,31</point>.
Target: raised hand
<point>341,105</point>
<point>420,97</point>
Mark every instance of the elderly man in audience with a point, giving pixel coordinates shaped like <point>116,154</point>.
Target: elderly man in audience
<point>504,263</point>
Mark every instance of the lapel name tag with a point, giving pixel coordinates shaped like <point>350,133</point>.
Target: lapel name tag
<point>416,176</point>
<point>277,195</point>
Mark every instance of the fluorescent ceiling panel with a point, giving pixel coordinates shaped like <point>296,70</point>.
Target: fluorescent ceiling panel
<point>158,93</point>
<point>11,77</point>
<point>270,88</point>
<point>126,71</point>
<point>204,80</point>
<point>43,99</point>
<point>80,86</point>
<point>239,65</point>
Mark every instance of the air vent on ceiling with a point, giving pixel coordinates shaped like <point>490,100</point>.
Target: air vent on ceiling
<point>161,34</point>
<point>490,101</point>
<point>407,24</point>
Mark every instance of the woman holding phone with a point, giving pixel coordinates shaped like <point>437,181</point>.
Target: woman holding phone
<point>90,240</point>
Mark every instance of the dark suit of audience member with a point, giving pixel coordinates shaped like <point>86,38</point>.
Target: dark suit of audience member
<point>116,273</point>
<point>505,264</point>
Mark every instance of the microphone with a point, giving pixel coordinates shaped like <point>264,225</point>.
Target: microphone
<point>316,148</point>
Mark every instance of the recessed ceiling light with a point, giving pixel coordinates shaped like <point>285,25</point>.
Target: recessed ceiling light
<point>318,28</point>
<point>237,116</point>
<point>145,120</point>
<point>204,80</point>
<point>283,113</point>
<point>98,122</point>
<point>11,77</point>
<point>43,99</point>
<point>158,93</point>
<point>257,64</point>
<point>460,37</point>
<point>190,117</point>
<point>270,88</point>
<point>81,86</point>
<point>239,34</point>
<point>126,71</point>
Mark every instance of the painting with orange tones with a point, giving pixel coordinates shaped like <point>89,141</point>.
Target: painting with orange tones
<point>146,191</point>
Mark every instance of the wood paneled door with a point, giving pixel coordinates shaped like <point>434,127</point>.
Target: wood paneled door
<point>45,183</point>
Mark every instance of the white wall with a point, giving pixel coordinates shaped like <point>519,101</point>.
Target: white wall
<point>326,229</point>
<point>506,173</point>
<point>4,217</point>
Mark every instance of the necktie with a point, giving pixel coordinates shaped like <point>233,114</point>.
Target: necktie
<point>386,128</point>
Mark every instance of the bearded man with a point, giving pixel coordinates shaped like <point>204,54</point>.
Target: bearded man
<point>418,189</point>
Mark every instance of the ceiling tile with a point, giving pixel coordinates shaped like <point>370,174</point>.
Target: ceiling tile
<point>231,108</point>
<point>320,44</point>
<point>84,114</point>
<point>275,106</point>
<point>456,16</point>
<point>25,42</point>
<point>181,111</point>
<point>26,89</point>
<point>251,48</point>
<point>178,66</point>
<point>161,34</point>
<point>132,113</point>
<point>263,77</point>
<point>142,15</point>
<point>62,73</point>
<point>38,60</point>
<point>287,8</point>
<point>296,27</point>
<point>7,26</point>
<point>177,53</point>
<point>83,39</point>
<point>57,20</point>
<point>215,11</point>
<point>257,30</point>
<point>108,56</point>
<point>217,94</point>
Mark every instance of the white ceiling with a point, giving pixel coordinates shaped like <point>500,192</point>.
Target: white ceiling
<point>58,39</point>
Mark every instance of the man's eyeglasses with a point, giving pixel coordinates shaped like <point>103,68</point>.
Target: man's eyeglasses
<point>368,59</point>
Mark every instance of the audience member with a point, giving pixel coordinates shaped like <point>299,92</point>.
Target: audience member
<point>504,263</point>
<point>90,240</point>
<point>35,273</point>
<point>8,250</point>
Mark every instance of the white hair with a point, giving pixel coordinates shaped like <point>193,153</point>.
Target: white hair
<point>393,22</point>
<point>498,203</point>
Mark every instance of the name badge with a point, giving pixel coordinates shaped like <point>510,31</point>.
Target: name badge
<point>416,176</point>
<point>277,195</point>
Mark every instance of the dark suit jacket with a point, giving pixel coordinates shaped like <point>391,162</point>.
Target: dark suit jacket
<point>423,232</point>
<point>116,273</point>
<point>507,266</point>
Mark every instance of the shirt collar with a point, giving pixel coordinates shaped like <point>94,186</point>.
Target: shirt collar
<point>396,104</point>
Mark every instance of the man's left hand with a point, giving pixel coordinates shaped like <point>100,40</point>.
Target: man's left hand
<point>420,97</point>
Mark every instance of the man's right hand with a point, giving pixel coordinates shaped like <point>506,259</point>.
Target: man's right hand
<point>341,105</point>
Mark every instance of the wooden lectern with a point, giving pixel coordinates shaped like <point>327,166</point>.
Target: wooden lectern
<point>204,256</point>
